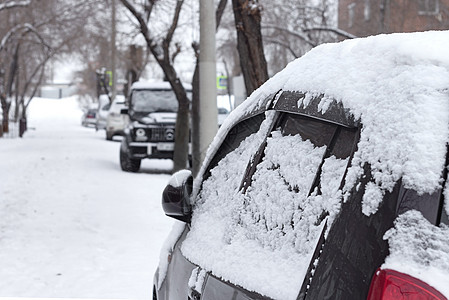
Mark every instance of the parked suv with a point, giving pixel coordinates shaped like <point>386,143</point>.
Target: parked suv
<point>152,109</point>
<point>328,182</point>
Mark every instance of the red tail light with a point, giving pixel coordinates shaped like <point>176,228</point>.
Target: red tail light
<point>393,285</point>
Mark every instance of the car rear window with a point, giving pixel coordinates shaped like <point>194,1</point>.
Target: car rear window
<point>263,237</point>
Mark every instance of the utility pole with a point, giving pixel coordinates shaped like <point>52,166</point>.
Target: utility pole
<point>208,123</point>
<point>113,52</point>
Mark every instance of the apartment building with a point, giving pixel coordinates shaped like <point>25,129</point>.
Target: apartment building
<point>369,17</point>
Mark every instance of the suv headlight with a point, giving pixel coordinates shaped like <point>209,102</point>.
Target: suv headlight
<point>141,134</point>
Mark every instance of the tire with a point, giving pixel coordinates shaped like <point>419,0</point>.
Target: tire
<point>154,293</point>
<point>128,164</point>
<point>109,136</point>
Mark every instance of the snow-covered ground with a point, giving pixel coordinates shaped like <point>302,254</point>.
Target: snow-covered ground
<point>72,224</point>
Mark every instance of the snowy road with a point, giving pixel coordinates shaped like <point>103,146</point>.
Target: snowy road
<point>72,224</point>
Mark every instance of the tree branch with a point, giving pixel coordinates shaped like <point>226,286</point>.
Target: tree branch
<point>285,45</point>
<point>13,4</point>
<point>143,25</point>
<point>174,23</point>
<point>219,12</point>
<point>295,34</point>
<point>27,28</point>
<point>334,30</point>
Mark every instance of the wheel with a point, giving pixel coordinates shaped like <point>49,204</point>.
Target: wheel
<point>109,136</point>
<point>154,293</point>
<point>128,164</point>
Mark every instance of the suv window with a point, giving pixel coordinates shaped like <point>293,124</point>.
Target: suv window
<point>154,101</point>
<point>298,165</point>
<point>304,161</point>
<point>233,139</point>
<point>146,101</point>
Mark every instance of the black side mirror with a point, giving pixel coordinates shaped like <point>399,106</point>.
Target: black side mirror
<point>124,111</point>
<point>176,198</point>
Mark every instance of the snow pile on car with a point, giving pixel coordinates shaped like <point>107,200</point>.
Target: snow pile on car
<point>226,238</point>
<point>417,247</point>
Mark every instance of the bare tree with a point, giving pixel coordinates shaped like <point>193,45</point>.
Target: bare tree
<point>31,34</point>
<point>7,79</point>
<point>164,50</point>
<point>295,27</point>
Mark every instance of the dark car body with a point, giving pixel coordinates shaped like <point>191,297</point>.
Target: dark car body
<point>332,222</point>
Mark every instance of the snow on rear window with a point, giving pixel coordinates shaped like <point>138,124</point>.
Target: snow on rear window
<point>420,249</point>
<point>264,240</point>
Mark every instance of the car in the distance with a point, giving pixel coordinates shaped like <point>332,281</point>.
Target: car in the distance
<point>116,122</point>
<point>103,111</point>
<point>89,117</point>
<point>327,183</point>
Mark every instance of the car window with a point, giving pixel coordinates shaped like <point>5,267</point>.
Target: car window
<point>155,101</point>
<point>234,137</point>
<point>427,204</point>
<point>272,226</point>
<point>444,217</point>
<point>304,161</point>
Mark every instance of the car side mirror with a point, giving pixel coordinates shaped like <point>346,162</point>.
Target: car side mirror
<point>176,198</point>
<point>124,111</point>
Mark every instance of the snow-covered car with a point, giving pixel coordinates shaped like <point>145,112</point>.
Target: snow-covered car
<point>152,110</point>
<point>328,182</point>
<point>116,122</point>
<point>103,111</point>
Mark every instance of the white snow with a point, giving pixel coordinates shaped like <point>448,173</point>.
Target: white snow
<point>72,224</point>
<point>421,249</point>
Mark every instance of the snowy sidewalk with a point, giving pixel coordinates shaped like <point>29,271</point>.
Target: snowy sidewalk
<point>72,224</point>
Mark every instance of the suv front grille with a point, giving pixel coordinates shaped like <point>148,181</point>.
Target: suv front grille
<point>155,134</point>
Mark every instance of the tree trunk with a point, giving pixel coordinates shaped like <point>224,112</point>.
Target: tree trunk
<point>182,129</point>
<point>4,126</point>
<point>5,112</point>
<point>247,16</point>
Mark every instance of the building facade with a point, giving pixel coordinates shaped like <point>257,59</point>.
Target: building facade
<point>369,17</point>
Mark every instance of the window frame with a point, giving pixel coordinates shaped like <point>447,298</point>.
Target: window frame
<point>424,7</point>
